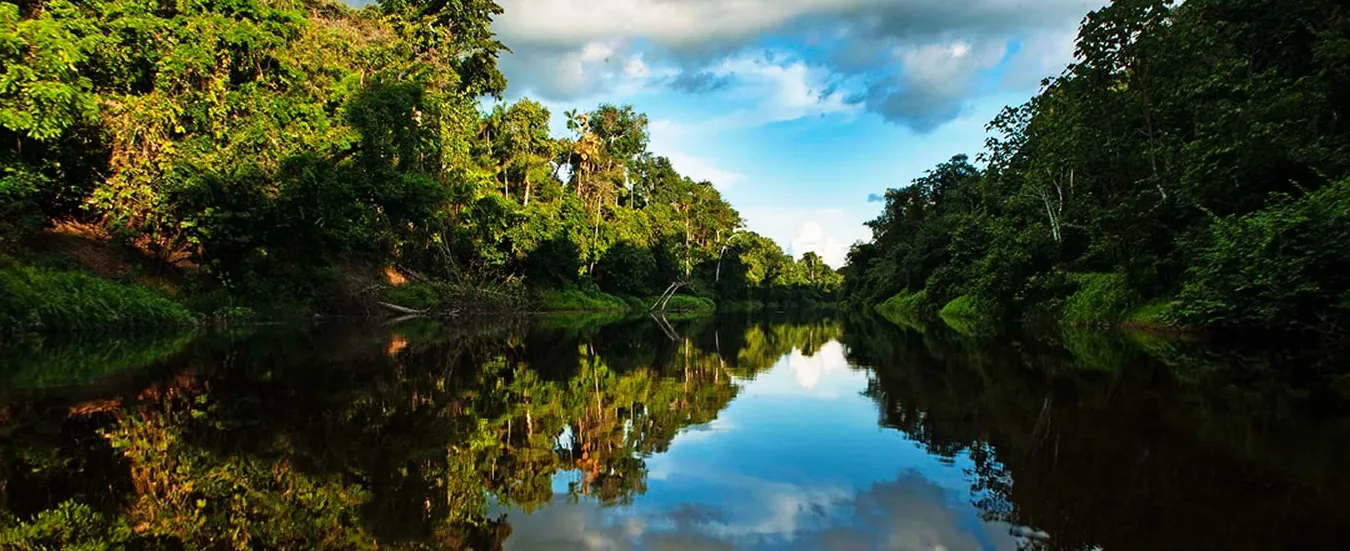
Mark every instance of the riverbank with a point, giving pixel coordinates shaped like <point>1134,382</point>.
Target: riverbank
<point>1097,302</point>
<point>61,297</point>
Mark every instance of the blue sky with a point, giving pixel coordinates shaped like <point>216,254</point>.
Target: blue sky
<point>797,110</point>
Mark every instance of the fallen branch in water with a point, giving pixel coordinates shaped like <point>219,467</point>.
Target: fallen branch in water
<point>401,319</point>
<point>402,309</point>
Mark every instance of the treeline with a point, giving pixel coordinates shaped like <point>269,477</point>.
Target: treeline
<point>299,148</point>
<point>1191,168</point>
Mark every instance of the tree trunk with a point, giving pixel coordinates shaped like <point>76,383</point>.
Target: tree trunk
<point>595,238</point>
<point>527,191</point>
<point>686,244</point>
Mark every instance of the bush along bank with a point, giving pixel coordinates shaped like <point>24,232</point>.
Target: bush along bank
<point>40,299</point>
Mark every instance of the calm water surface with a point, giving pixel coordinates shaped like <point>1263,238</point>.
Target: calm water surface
<point>725,433</point>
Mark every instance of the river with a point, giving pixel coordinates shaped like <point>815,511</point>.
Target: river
<point>841,433</point>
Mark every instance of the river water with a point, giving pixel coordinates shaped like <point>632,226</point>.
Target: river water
<point>837,433</point>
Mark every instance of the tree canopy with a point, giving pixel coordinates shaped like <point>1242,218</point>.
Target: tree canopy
<point>1190,167</point>
<point>281,145</point>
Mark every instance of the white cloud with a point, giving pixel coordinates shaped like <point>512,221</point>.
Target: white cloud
<point>827,232</point>
<point>811,237</point>
<point>778,90</point>
<point>602,66</point>
<point>850,46</point>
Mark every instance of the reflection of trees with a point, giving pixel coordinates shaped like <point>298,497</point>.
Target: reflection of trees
<point>1100,444</point>
<point>353,438</point>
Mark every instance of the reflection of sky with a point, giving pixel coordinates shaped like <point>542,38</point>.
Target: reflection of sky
<point>796,461</point>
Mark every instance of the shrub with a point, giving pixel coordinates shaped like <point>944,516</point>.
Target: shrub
<point>1101,299</point>
<point>969,315</point>
<point>580,300</point>
<point>906,305</point>
<point>33,299</point>
<point>688,304</point>
<point>443,296</point>
<point>1283,267</point>
<point>966,306</point>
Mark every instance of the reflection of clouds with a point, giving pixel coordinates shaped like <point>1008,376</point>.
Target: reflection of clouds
<point>774,511</point>
<point>910,513</point>
<point>588,526</point>
<point>791,464</point>
<point>808,371</point>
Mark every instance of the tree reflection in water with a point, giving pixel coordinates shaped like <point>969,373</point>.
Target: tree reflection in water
<point>407,436</point>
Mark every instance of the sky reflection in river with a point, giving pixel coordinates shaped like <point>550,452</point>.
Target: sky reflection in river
<point>733,433</point>
<point>797,461</point>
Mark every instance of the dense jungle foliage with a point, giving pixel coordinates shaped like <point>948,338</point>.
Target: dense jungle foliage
<point>259,149</point>
<point>1191,168</point>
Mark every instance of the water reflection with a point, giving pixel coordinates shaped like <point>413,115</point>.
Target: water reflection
<point>796,461</point>
<point>726,433</point>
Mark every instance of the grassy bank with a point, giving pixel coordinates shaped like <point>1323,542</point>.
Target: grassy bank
<point>41,299</point>
<point>1085,300</point>
<point>443,297</point>
<point>579,300</point>
<point>904,308</point>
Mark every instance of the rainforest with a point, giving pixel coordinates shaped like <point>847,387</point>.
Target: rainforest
<point>1190,170</point>
<point>169,162</point>
<point>255,160</point>
<point>307,274</point>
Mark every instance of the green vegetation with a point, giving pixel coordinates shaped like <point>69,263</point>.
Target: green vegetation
<point>454,297</point>
<point>290,152</point>
<point>1156,314</point>
<point>1190,169</point>
<point>904,308</point>
<point>1284,266</point>
<point>1101,299</point>
<point>33,299</point>
<point>965,306</point>
<point>968,315</point>
<point>576,300</point>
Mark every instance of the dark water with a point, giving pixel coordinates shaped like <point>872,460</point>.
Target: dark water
<point>726,433</point>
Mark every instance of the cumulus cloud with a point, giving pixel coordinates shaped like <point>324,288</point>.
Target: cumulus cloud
<point>913,62</point>
<point>930,84</point>
<point>827,232</point>
<point>812,237</point>
<point>700,169</point>
<point>910,512</point>
<point>779,88</point>
<point>601,66</point>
